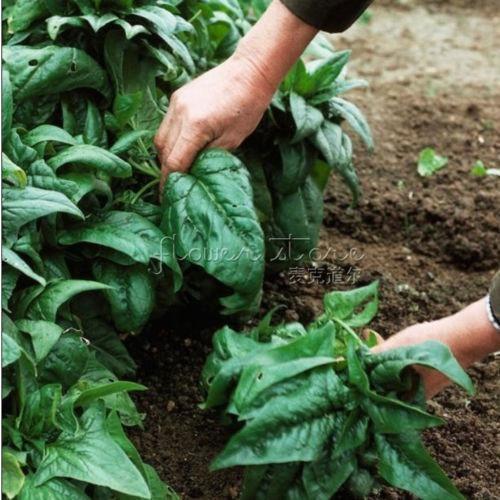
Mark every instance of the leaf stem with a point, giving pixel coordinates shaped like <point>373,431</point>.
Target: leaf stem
<point>144,189</point>
<point>349,330</point>
<point>146,168</point>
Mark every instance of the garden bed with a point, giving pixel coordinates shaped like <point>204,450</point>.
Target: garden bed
<point>433,243</point>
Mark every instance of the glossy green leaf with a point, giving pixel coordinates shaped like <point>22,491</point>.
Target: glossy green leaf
<point>354,307</point>
<point>268,482</point>
<point>39,414</point>
<point>18,152</point>
<point>158,488</point>
<point>40,175</point>
<point>92,456</point>
<point>210,216</point>
<point>115,429</point>
<point>130,234</point>
<point>232,352</point>
<point>13,259</point>
<point>51,70</point>
<point>12,475</point>
<point>47,303</point>
<point>99,21</point>
<point>93,132</point>
<point>127,140</point>
<point>108,347</point>
<point>49,490</point>
<point>296,165</point>
<point>387,366</point>
<point>297,219</point>
<point>297,434</point>
<point>308,119</point>
<point>284,362</point>
<point>85,183</point>
<point>44,335</point>
<point>336,148</point>
<point>164,24</point>
<point>131,294</point>
<point>7,104</point>
<point>46,133</point>
<point>9,281</point>
<point>58,24</point>
<point>11,351</point>
<point>354,118</point>
<point>324,477</point>
<point>88,396</point>
<point>125,106</point>
<point>391,416</point>
<point>13,173</point>
<point>353,435</point>
<point>24,13</point>
<point>66,361</point>
<point>92,156</point>
<point>404,463</point>
<point>131,30</point>
<point>21,206</point>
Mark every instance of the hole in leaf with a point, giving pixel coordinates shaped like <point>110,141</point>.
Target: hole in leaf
<point>72,67</point>
<point>259,376</point>
<point>210,380</point>
<point>33,62</point>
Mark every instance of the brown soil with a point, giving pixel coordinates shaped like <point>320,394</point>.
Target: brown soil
<point>434,243</point>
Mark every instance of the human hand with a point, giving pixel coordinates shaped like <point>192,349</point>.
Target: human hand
<point>218,109</point>
<point>469,334</point>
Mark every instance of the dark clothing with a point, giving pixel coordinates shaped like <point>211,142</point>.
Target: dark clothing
<point>328,15</point>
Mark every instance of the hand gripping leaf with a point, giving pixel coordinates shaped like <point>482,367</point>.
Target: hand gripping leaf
<point>323,416</point>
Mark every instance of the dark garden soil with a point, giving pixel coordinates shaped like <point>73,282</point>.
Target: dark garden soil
<point>434,243</point>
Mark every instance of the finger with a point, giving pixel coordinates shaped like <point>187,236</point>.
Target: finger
<point>185,150</point>
<point>162,135</point>
<point>225,142</point>
<point>168,145</point>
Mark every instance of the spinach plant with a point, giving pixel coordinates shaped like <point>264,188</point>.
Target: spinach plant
<point>320,414</point>
<point>90,254</point>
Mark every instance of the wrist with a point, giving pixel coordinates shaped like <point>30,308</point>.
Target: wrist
<point>275,43</point>
<point>251,69</point>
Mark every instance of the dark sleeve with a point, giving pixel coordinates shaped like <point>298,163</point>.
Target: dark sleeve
<point>328,15</point>
<point>495,296</point>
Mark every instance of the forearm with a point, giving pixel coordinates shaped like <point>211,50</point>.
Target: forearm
<point>275,42</point>
<point>468,333</point>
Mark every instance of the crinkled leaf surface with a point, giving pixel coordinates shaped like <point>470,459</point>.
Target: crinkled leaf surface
<point>405,463</point>
<point>210,215</point>
<point>128,233</point>
<point>131,294</point>
<point>92,456</point>
<point>21,206</point>
<point>49,490</point>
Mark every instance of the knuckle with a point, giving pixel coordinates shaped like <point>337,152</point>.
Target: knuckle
<point>178,101</point>
<point>158,142</point>
<point>175,164</point>
<point>174,98</point>
<point>234,143</point>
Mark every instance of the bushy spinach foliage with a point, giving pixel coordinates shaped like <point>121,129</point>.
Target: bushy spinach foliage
<point>90,254</point>
<point>320,414</point>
